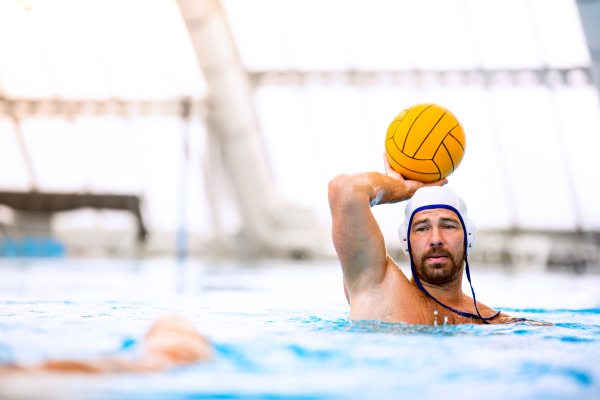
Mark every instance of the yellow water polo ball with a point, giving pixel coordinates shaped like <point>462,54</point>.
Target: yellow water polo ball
<point>425,143</point>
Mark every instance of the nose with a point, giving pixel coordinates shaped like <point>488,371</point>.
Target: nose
<point>436,239</point>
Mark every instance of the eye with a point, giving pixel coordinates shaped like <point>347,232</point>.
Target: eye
<point>421,229</point>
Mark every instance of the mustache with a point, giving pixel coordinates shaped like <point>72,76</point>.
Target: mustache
<point>436,251</point>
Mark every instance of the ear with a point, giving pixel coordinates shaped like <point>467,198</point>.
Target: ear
<point>402,235</point>
<point>471,235</point>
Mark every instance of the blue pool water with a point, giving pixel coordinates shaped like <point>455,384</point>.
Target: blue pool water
<point>280,331</point>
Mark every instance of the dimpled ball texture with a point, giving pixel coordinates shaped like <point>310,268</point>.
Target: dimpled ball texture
<point>425,143</point>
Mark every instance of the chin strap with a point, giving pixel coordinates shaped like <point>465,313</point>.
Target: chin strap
<point>414,274</point>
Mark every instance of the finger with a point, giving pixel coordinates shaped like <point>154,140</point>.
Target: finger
<point>437,183</point>
<point>413,186</point>
<point>386,162</point>
<point>390,171</point>
<point>398,176</point>
<point>395,175</point>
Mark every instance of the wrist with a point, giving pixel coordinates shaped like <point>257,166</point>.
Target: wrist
<point>386,189</point>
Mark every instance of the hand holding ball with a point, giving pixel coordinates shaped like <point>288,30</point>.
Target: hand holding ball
<point>425,143</point>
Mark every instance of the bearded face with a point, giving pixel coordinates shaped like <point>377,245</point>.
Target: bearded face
<point>437,246</point>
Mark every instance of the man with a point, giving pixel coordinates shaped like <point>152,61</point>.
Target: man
<point>171,342</point>
<point>437,235</point>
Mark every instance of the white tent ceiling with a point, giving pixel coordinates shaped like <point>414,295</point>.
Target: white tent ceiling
<point>530,158</point>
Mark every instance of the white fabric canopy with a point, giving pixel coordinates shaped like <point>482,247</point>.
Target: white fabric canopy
<point>531,149</point>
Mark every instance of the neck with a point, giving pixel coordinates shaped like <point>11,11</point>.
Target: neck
<point>447,293</point>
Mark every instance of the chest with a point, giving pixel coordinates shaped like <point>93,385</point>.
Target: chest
<point>425,312</point>
<point>407,305</point>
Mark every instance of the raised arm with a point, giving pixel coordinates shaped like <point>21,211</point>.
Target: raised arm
<point>357,238</point>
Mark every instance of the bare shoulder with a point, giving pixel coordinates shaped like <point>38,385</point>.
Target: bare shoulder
<point>393,281</point>
<point>487,312</point>
<point>481,306</point>
<point>502,318</point>
<point>507,319</point>
<point>384,299</point>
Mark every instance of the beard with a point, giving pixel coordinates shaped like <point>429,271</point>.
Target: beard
<point>439,273</point>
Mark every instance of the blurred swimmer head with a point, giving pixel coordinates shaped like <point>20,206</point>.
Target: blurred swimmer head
<point>174,338</point>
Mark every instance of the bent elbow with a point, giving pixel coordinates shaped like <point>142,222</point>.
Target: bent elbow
<point>343,191</point>
<point>337,184</point>
<point>338,188</point>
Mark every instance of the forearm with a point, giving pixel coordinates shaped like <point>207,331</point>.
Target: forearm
<point>386,190</point>
<point>373,187</point>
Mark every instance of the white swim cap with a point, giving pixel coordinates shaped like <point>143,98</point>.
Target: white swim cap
<point>442,197</point>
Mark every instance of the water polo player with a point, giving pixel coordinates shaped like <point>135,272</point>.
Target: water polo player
<point>171,342</point>
<point>437,235</point>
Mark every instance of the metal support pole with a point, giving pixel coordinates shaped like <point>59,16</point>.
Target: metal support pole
<point>182,236</point>
<point>12,114</point>
<point>589,12</point>
<point>270,224</point>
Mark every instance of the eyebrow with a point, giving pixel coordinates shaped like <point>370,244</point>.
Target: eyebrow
<point>420,221</point>
<point>450,220</point>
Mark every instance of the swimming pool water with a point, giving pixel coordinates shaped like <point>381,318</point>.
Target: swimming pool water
<point>281,331</point>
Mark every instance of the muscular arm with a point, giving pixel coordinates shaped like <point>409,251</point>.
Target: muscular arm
<point>356,236</point>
